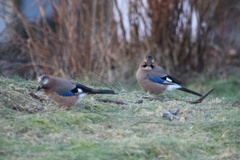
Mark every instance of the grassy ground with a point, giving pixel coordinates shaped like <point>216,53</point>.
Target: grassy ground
<point>30,129</point>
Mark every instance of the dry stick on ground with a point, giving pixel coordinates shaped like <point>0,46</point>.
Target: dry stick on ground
<point>139,101</point>
<point>36,97</point>
<point>152,122</point>
<point>106,100</point>
<point>201,98</point>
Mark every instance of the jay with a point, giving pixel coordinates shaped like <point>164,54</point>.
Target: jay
<point>153,79</point>
<point>65,92</point>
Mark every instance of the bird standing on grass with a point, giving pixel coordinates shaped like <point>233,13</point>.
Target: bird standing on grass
<point>65,92</point>
<point>153,79</point>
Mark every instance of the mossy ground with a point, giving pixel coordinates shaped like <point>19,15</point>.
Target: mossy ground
<point>30,129</point>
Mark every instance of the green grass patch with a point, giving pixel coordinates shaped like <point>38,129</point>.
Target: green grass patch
<point>31,129</point>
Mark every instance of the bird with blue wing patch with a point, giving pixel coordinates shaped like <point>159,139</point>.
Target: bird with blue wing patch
<point>65,92</point>
<point>153,78</point>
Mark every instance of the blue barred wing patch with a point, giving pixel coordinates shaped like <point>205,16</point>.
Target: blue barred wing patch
<point>67,94</point>
<point>157,80</point>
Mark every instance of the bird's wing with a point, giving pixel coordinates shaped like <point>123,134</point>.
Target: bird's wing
<point>74,92</point>
<point>166,80</point>
<point>159,75</point>
<point>67,88</point>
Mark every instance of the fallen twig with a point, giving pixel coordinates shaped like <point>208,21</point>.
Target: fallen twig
<point>201,98</point>
<point>139,101</point>
<point>36,97</point>
<point>111,101</point>
<point>146,122</point>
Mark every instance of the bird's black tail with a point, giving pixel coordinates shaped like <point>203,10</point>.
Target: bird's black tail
<point>190,91</point>
<point>94,91</point>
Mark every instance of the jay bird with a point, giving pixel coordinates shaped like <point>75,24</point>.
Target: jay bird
<point>153,79</point>
<point>65,92</point>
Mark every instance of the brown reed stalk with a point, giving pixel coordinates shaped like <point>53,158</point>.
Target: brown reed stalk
<point>85,37</point>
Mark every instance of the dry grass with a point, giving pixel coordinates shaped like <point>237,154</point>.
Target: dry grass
<point>82,37</point>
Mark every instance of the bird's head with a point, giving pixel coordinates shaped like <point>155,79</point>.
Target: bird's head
<point>148,62</point>
<point>43,82</point>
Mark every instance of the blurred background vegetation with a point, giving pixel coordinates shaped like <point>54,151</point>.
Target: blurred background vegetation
<point>72,38</point>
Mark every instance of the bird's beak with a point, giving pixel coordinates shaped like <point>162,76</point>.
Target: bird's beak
<point>149,64</point>
<point>39,88</point>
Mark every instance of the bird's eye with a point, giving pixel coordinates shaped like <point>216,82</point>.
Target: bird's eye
<point>44,80</point>
<point>146,65</point>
